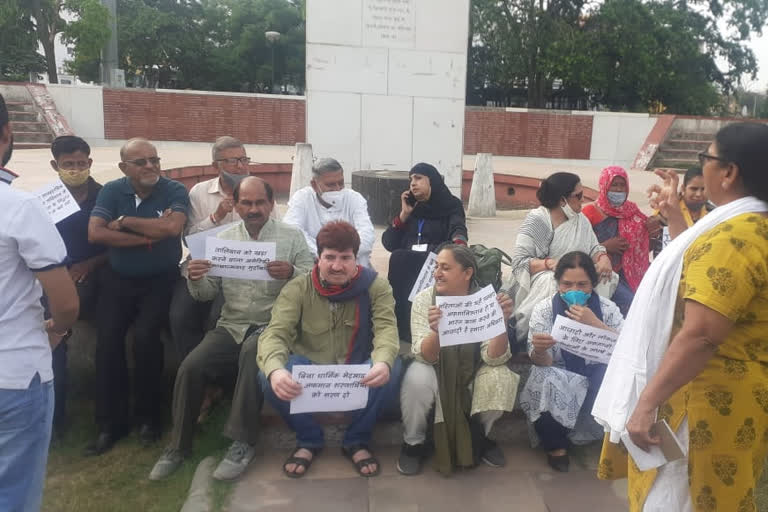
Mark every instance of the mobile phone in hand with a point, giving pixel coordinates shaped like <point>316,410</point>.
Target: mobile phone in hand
<point>410,199</point>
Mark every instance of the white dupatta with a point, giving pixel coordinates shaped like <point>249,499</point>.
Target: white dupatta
<point>645,336</point>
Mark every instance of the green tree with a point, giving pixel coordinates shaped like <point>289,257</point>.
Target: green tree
<point>89,32</point>
<point>211,44</point>
<point>19,54</point>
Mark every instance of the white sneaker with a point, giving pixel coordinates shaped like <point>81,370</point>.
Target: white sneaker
<point>238,457</point>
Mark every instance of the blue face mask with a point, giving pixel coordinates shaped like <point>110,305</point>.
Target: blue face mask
<point>617,198</point>
<point>575,297</point>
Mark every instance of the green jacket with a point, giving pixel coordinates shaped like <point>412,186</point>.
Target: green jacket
<point>305,323</point>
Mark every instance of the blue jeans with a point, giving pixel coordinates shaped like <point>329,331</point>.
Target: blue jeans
<point>26,416</point>
<point>310,435</point>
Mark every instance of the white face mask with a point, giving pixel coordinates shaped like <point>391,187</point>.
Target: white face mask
<point>332,198</point>
<point>617,198</point>
<point>568,211</point>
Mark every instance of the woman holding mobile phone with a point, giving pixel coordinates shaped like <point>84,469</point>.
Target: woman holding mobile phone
<point>429,216</point>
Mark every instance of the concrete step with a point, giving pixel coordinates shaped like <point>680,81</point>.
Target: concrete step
<point>702,136</point>
<point>675,144</point>
<point>667,153</point>
<point>680,163</point>
<point>29,126</point>
<point>15,106</point>
<point>22,116</point>
<point>32,137</point>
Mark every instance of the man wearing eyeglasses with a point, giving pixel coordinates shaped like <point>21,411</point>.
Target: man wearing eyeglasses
<point>140,217</point>
<point>210,205</point>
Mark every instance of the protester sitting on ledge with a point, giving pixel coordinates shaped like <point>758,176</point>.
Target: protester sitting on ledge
<point>140,217</point>
<point>555,228</point>
<point>559,393</point>
<point>326,199</point>
<point>339,313</point>
<point>442,377</point>
<point>210,205</point>
<point>72,162</point>
<point>229,350</point>
<point>429,216</point>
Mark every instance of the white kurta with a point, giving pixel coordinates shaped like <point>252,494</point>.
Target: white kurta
<point>306,213</point>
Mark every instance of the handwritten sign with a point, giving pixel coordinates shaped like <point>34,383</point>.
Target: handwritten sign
<point>389,23</point>
<point>426,276</point>
<point>330,388</point>
<point>584,340</point>
<point>239,260</point>
<point>196,242</point>
<point>470,318</point>
<point>58,201</point>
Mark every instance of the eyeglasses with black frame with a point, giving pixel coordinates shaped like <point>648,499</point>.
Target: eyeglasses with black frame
<point>245,160</point>
<point>141,162</point>
<point>704,156</point>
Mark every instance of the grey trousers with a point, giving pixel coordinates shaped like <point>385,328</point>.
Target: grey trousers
<point>218,356</point>
<point>417,396</point>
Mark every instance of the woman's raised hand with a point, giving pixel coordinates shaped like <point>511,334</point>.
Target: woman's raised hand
<point>664,197</point>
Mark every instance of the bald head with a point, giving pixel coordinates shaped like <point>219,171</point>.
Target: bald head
<point>253,184</point>
<point>139,161</point>
<point>254,202</point>
<point>132,145</point>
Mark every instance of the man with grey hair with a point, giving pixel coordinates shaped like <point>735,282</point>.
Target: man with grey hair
<point>325,200</point>
<point>210,205</point>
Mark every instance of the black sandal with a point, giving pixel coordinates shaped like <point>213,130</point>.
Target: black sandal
<point>349,452</point>
<point>300,461</point>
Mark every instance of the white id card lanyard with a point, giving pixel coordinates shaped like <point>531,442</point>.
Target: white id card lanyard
<point>418,246</point>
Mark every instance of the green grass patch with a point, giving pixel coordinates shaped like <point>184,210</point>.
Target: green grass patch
<point>117,481</point>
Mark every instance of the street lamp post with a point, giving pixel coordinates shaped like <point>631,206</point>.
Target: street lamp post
<point>272,37</point>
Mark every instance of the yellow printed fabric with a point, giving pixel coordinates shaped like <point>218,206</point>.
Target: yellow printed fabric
<point>726,269</point>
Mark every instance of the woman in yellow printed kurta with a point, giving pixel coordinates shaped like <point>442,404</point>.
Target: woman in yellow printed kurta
<point>715,372</point>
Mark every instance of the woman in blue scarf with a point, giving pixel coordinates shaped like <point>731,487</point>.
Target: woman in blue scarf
<point>558,396</point>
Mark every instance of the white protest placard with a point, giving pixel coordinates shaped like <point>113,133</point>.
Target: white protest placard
<point>58,201</point>
<point>239,259</point>
<point>426,276</point>
<point>583,340</point>
<point>330,388</point>
<point>470,318</point>
<point>196,242</point>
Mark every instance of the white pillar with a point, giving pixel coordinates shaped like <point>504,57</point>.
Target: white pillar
<point>482,196</point>
<point>301,173</point>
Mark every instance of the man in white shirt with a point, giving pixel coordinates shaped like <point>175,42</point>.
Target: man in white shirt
<point>31,254</point>
<point>210,205</point>
<point>325,200</point>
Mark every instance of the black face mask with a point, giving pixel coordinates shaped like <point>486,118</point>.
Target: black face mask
<point>232,180</point>
<point>8,152</point>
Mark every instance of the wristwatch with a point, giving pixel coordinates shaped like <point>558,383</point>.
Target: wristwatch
<point>120,222</point>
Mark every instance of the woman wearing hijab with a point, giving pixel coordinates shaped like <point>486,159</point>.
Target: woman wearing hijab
<point>429,216</point>
<point>469,385</point>
<point>558,395</point>
<point>624,231</point>
<point>693,350</point>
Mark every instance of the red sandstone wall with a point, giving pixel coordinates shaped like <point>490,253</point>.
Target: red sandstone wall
<point>202,117</point>
<point>529,134</point>
<point>281,121</point>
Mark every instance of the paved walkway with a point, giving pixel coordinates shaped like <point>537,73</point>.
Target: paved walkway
<point>525,484</point>
<point>34,170</point>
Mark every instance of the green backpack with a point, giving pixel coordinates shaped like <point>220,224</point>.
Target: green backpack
<point>489,262</point>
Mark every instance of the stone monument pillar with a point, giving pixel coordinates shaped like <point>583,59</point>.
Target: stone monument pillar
<point>482,196</point>
<point>301,172</point>
<point>386,83</point>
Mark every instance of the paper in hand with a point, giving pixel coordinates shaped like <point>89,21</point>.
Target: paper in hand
<point>670,448</point>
